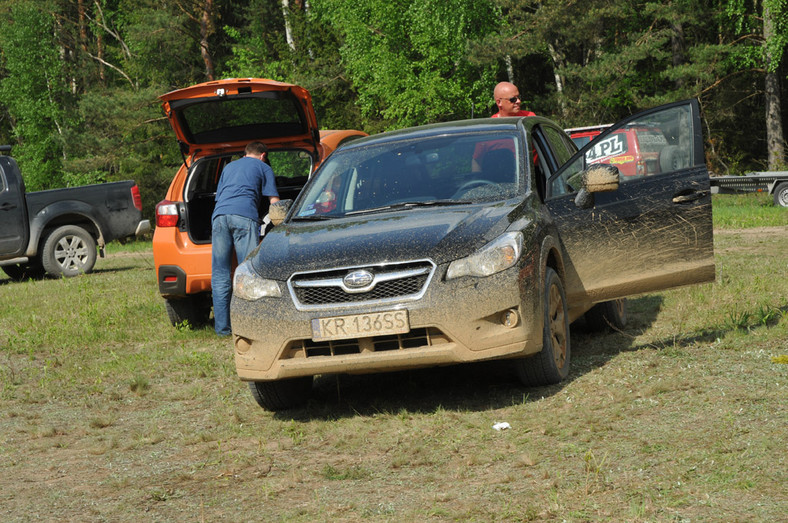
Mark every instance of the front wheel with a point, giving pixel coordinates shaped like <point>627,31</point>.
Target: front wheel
<point>781,195</point>
<point>282,394</point>
<point>68,251</point>
<point>551,364</point>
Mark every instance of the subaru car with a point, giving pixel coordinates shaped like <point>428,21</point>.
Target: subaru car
<point>459,242</point>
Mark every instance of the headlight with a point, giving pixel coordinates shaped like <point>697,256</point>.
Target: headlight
<point>494,257</point>
<point>248,285</point>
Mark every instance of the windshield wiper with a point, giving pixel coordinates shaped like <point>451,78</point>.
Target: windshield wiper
<point>312,218</point>
<point>409,205</point>
<point>430,203</point>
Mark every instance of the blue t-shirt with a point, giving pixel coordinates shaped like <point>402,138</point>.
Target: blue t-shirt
<point>242,186</point>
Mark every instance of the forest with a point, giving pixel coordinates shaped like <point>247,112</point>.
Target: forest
<point>80,79</point>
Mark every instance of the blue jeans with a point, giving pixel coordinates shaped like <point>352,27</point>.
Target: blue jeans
<point>230,233</point>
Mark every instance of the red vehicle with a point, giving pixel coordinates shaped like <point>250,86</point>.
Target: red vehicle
<point>213,122</point>
<point>640,150</point>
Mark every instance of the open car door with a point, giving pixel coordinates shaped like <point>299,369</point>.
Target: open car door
<point>636,234</point>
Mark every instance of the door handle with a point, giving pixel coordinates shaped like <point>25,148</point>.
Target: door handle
<point>691,197</point>
<point>7,206</point>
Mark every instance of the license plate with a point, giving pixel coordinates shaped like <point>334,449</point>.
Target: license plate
<point>360,325</point>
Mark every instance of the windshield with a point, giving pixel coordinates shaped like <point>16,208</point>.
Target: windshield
<point>442,170</point>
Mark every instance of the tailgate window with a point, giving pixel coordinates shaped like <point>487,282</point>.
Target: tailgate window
<point>266,115</point>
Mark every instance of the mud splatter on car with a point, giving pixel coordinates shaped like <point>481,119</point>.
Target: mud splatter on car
<point>464,241</point>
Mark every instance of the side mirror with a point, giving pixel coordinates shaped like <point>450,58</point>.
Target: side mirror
<point>597,178</point>
<point>601,178</point>
<point>278,210</point>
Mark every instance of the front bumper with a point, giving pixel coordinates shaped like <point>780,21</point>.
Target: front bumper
<point>454,321</point>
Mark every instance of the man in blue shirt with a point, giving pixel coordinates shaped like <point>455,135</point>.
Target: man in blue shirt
<point>236,223</point>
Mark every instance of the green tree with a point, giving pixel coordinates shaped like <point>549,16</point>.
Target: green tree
<point>34,92</point>
<point>304,51</point>
<point>610,58</point>
<point>407,60</point>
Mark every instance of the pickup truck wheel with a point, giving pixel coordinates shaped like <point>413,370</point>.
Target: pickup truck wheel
<point>551,364</point>
<point>781,195</point>
<point>282,394</point>
<point>24,271</point>
<point>607,315</point>
<point>192,309</point>
<point>68,251</point>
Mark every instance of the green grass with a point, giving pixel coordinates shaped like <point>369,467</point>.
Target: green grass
<point>109,413</point>
<point>736,211</point>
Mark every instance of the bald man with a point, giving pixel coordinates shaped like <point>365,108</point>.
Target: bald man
<point>507,98</point>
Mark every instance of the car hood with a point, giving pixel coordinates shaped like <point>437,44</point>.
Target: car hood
<point>227,114</point>
<point>438,234</point>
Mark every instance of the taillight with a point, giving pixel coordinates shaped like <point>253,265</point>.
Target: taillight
<point>166,214</point>
<point>135,196</point>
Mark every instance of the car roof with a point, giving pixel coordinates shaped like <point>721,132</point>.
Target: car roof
<point>452,127</point>
<point>588,129</point>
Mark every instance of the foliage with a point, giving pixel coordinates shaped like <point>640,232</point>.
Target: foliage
<point>34,92</point>
<point>79,79</point>
<point>408,59</point>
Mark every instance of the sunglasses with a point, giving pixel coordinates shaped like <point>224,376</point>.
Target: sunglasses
<point>514,98</point>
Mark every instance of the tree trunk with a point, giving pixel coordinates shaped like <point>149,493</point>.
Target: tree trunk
<point>678,45</point>
<point>83,31</point>
<point>775,141</point>
<point>205,31</point>
<point>288,29</point>
<point>558,63</point>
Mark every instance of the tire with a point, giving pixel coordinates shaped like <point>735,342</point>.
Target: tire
<point>23,271</point>
<point>781,195</point>
<point>68,251</point>
<point>551,364</point>
<point>195,310</point>
<point>671,159</point>
<point>282,394</point>
<point>606,316</point>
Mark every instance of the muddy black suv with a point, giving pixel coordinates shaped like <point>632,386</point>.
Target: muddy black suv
<point>463,241</point>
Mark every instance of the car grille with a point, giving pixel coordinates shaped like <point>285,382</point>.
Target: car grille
<point>390,282</point>
<point>422,337</point>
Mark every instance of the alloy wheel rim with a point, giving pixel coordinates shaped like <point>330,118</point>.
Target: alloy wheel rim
<point>557,326</point>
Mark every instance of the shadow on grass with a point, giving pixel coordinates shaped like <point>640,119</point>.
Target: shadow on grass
<point>6,280</point>
<point>111,270</point>
<point>466,387</point>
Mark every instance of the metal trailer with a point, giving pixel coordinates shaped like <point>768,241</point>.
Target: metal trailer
<point>772,182</point>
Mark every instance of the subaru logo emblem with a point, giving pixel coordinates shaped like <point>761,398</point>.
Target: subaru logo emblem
<point>358,279</point>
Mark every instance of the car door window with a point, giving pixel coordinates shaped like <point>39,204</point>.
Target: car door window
<point>561,145</point>
<point>562,149</point>
<point>655,144</point>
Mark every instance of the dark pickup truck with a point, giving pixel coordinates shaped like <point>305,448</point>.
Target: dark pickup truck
<point>57,232</point>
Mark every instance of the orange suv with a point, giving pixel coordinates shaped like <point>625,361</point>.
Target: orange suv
<point>635,151</point>
<point>213,122</point>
